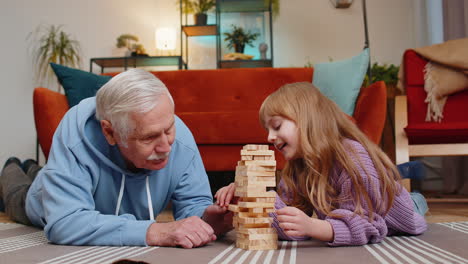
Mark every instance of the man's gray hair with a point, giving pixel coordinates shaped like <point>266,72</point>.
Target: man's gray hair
<point>132,91</point>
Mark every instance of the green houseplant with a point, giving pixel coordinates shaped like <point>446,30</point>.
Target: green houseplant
<point>384,72</point>
<point>51,44</point>
<point>238,38</point>
<point>199,8</point>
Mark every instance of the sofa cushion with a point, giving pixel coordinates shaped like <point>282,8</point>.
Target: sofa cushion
<point>413,67</point>
<point>78,84</point>
<point>341,80</point>
<point>437,133</point>
<point>225,127</point>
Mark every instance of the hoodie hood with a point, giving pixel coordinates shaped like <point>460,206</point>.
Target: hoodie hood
<point>91,133</point>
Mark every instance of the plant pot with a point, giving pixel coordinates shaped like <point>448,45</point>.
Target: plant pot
<point>239,48</point>
<point>201,19</point>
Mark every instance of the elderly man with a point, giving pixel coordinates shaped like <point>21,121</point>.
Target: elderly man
<point>116,161</point>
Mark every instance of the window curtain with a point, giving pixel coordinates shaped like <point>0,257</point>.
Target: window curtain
<point>455,13</point>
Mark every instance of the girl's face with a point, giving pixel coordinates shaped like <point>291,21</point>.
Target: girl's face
<point>284,135</point>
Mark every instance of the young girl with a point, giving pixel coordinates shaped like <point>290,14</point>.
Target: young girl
<point>333,170</point>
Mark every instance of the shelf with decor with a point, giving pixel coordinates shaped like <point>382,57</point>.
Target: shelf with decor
<point>136,61</point>
<point>254,15</point>
<point>199,26</point>
<point>253,25</point>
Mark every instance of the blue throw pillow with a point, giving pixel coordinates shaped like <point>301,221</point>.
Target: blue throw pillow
<point>78,84</point>
<point>341,81</point>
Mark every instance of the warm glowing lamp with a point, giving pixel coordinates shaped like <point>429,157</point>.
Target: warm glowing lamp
<point>165,39</point>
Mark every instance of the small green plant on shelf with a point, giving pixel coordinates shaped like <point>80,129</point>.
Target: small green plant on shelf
<point>238,38</point>
<point>199,8</point>
<point>130,42</point>
<point>49,43</point>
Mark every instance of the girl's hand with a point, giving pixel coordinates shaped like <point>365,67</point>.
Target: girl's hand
<point>296,223</point>
<point>225,195</point>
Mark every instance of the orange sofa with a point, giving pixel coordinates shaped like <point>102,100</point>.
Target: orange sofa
<point>221,109</point>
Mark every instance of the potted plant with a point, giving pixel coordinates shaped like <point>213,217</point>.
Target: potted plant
<point>199,8</point>
<point>130,42</point>
<point>51,44</point>
<point>384,72</point>
<point>238,38</point>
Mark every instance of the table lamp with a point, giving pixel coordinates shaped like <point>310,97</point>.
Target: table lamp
<point>165,40</point>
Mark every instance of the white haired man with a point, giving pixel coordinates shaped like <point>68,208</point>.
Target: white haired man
<point>116,161</point>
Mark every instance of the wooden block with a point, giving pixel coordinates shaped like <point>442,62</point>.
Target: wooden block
<point>249,214</point>
<point>256,210</point>
<point>233,208</point>
<point>257,242</point>
<point>266,230</point>
<point>258,199</point>
<point>257,162</point>
<point>256,205</point>
<point>252,189</point>
<point>257,225</point>
<point>254,220</point>
<point>272,236</point>
<point>251,184</point>
<point>259,157</point>
<point>255,171</point>
<point>245,193</point>
<point>255,168</point>
<point>246,157</point>
<point>258,152</point>
<point>255,147</point>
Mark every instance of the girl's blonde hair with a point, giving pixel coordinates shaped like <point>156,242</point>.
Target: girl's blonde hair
<point>323,128</point>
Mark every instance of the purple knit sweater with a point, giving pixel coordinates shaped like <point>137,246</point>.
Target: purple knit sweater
<point>353,229</point>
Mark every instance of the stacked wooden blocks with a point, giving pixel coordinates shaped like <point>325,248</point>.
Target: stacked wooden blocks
<point>254,173</point>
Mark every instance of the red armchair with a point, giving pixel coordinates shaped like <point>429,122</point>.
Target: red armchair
<point>414,136</point>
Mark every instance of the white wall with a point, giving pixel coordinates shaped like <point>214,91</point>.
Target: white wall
<point>305,30</point>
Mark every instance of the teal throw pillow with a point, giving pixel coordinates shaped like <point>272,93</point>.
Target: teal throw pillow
<point>341,81</point>
<point>78,84</point>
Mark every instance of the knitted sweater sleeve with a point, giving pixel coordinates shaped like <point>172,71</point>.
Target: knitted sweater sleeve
<point>354,229</point>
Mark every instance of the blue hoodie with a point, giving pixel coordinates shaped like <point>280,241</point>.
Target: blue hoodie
<point>75,196</point>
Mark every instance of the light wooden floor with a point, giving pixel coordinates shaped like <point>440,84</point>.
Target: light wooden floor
<point>438,212</point>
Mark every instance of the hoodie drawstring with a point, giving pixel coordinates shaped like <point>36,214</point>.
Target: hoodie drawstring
<point>148,194</point>
<point>119,200</point>
<point>150,203</point>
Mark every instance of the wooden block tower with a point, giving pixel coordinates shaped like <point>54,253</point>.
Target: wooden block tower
<point>254,173</point>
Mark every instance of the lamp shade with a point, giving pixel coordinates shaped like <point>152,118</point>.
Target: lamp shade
<point>165,39</point>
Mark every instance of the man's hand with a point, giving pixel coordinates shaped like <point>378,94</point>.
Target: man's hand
<point>219,218</point>
<point>188,233</point>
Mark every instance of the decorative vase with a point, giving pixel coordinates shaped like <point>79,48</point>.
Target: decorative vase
<point>201,19</point>
<point>239,48</point>
<point>263,47</point>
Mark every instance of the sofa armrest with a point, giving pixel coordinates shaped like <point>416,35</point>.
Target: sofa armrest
<point>49,109</point>
<point>371,110</point>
